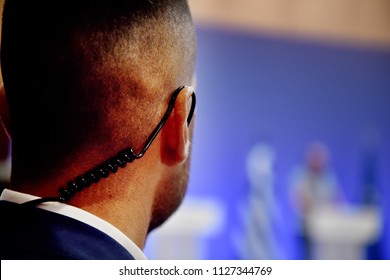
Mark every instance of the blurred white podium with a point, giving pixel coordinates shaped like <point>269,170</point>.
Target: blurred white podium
<point>342,233</point>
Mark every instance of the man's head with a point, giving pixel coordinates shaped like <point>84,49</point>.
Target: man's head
<point>317,157</point>
<point>85,79</point>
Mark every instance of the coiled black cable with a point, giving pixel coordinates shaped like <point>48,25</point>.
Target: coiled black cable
<point>93,176</point>
<point>113,164</point>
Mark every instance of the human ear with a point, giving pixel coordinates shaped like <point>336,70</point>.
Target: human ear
<point>176,132</point>
<point>4,112</point>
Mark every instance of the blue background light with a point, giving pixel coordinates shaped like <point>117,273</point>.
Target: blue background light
<point>287,93</point>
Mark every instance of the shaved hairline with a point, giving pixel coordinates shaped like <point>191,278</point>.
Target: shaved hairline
<point>140,71</point>
<point>116,78</point>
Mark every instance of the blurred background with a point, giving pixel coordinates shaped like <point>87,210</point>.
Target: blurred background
<point>291,154</point>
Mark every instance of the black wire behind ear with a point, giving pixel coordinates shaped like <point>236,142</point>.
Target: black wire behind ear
<point>113,164</point>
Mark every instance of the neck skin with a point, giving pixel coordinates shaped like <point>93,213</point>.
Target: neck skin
<point>124,199</point>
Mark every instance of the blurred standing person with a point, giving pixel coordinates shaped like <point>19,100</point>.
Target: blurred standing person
<point>313,185</point>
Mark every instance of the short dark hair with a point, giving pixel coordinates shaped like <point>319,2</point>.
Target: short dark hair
<point>75,71</point>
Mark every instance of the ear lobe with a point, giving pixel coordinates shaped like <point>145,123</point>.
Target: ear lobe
<point>176,139</point>
<point>4,112</point>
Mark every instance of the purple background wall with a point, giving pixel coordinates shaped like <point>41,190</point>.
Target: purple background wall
<point>288,93</point>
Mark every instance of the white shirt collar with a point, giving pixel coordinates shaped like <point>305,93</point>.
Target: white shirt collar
<point>80,215</point>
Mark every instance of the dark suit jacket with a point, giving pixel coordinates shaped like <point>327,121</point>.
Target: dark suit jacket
<point>28,232</point>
